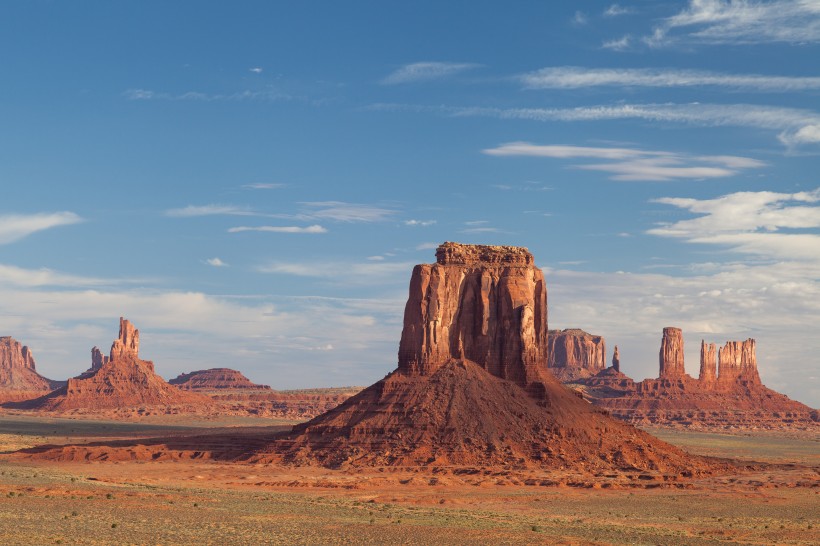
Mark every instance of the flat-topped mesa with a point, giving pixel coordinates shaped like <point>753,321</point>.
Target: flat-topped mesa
<point>487,304</point>
<point>128,343</point>
<point>671,354</point>
<point>459,254</point>
<point>737,362</point>
<point>574,353</point>
<point>708,363</point>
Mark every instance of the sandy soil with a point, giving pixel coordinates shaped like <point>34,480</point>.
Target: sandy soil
<point>186,502</point>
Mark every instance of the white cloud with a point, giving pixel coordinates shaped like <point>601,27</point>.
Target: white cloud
<point>574,77</point>
<point>23,277</point>
<point>347,212</point>
<point>427,246</point>
<point>426,71</point>
<point>208,210</point>
<point>580,18</point>
<point>216,262</point>
<point>263,186</point>
<point>741,22</point>
<point>616,10</point>
<point>422,223</point>
<point>766,224</point>
<point>255,70</point>
<point>618,44</point>
<point>269,94</point>
<point>14,227</point>
<point>280,229</point>
<point>635,164</point>
<point>349,273</point>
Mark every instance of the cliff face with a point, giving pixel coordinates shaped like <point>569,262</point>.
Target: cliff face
<point>671,354</point>
<point>18,373</point>
<point>737,361</point>
<point>487,304</point>
<point>574,354</point>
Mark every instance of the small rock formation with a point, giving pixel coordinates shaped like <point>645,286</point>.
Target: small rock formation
<point>19,379</point>
<point>708,362</point>
<point>734,398</point>
<point>215,378</point>
<point>671,354</point>
<point>486,304</point>
<point>97,359</point>
<point>737,362</point>
<point>123,381</point>
<point>616,360</point>
<point>574,353</point>
<point>472,387</point>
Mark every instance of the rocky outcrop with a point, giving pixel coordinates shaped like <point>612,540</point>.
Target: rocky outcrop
<point>708,363</point>
<point>215,379</point>
<point>97,359</point>
<point>486,304</point>
<point>734,398</point>
<point>616,360</point>
<point>671,354</point>
<point>737,362</point>
<point>574,353</point>
<point>18,372</point>
<point>472,386</point>
<point>124,381</point>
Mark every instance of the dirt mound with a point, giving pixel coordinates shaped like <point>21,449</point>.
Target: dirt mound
<point>215,379</point>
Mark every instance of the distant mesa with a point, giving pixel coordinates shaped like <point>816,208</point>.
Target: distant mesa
<point>727,394</point>
<point>123,380</point>
<point>215,379</point>
<point>575,354</point>
<point>19,379</point>
<point>472,387</point>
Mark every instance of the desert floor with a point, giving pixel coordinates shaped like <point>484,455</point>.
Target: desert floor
<point>188,502</point>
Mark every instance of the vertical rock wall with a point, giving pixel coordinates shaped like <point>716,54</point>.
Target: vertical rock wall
<point>671,354</point>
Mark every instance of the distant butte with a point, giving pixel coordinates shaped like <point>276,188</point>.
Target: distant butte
<point>215,379</point>
<point>124,380</point>
<point>19,379</point>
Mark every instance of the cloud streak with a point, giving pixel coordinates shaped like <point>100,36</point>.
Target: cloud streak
<point>426,71</point>
<point>198,96</point>
<point>14,227</point>
<point>279,229</point>
<point>634,164</point>
<point>575,77</point>
<point>192,211</point>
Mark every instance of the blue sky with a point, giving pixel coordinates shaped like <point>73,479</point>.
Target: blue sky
<point>251,184</point>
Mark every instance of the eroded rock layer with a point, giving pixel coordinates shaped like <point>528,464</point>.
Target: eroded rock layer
<point>671,354</point>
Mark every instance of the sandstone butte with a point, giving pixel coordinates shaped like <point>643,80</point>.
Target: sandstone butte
<point>472,387</point>
<point>123,380</point>
<point>575,354</point>
<point>19,379</point>
<point>215,379</point>
<point>727,394</point>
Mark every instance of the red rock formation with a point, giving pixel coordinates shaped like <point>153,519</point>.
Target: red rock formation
<point>616,360</point>
<point>97,359</point>
<point>124,381</point>
<point>472,387</point>
<point>19,379</point>
<point>215,378</point>
<point>708,362</point>
<point>671,354</point>
<point>574,353</point>
<point>737,361</point>
<point>486,304</point>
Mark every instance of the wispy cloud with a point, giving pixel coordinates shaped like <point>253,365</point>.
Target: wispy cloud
<point>26,277</point>
<point>618,44</point>
<point>580,18</point>
<point>279,229</point>
<point>269,94</point>
<point>635,164</point>
<point>263,186</point>
<point>574,77</point>
<point>341,211</point>
<point>796,126</point>
<point>14,227</point>
<point>216,262</point>
<point>255,70</point>
<point>741,22</point>
<point>766,224</point>
<point>427,246</point>
<point>420,223</point>
<point>616,10</point>
<point>208,210</point>
<point>426,71</point>
<point>344,272</point>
